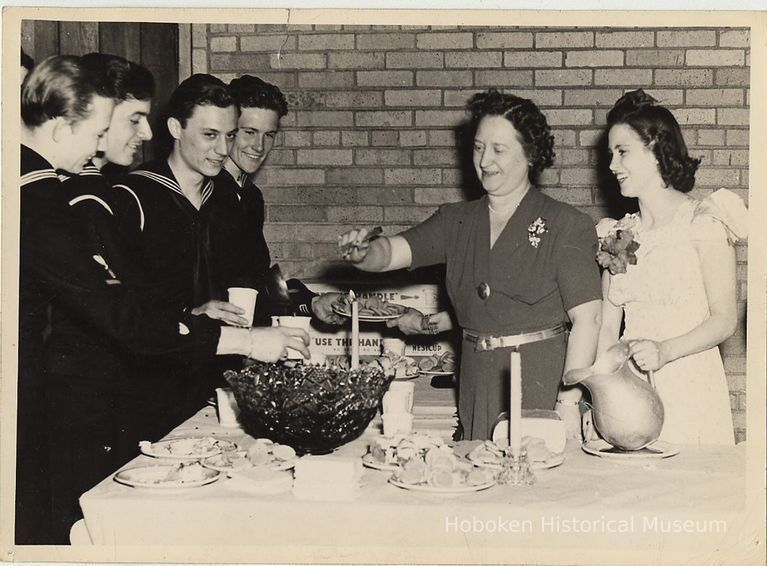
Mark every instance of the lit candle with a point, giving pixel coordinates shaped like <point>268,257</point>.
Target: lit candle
<point>515,405</point>
<point>355,334</point>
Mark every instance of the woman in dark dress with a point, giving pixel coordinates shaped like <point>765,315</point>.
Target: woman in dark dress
<point>520,268</point>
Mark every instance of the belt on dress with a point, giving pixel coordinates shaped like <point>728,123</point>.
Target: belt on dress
<point>484,343</point>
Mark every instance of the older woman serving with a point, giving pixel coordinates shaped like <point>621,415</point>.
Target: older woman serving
<point>519,264</point>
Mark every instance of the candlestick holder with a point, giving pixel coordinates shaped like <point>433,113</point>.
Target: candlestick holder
<point>516,470</point>
<point>355,308</point>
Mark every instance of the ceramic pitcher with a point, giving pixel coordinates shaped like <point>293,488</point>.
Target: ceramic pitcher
<point>628,413</point>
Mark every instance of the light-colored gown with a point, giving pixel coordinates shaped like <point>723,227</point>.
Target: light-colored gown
<point>663,296</point>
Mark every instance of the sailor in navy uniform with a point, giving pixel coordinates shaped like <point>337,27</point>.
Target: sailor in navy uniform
<point>183,227</point>
<point>59,272</point>
<point>262,105</point>
<point>90,196</point>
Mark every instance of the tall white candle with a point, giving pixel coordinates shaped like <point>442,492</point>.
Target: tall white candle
<point>355,334</point>
<point>515,405</point>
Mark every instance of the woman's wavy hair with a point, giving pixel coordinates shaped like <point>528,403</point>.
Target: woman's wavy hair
<point>526,118</point>
<point>659,130</point>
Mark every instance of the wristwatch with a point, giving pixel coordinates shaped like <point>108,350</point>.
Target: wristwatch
<point>428,326</point>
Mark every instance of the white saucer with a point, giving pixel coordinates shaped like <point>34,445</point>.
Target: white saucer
<point>153,477</point>
<point>656,450</point>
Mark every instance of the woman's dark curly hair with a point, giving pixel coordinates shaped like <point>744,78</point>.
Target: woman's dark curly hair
<point>526,118</point>
<point>659,130</point>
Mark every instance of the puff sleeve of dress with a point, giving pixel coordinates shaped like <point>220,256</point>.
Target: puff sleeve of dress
<point>720,217</point>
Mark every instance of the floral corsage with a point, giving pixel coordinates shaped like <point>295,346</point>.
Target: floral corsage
<point>534,231</point>
<point>617,246</point>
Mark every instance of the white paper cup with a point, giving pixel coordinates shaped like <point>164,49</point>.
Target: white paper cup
<point>393,345</point>
<point>228,410</point>
<point>399,398</point>
<point>244,298</point>
<point>394,423</point>
<point>303,322</point>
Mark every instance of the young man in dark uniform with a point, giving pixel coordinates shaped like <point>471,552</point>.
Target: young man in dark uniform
<point>90,197</point>
<point>65,115</point>
<point>262,105</point>
<point>184,226</point>
<point>64,119</point>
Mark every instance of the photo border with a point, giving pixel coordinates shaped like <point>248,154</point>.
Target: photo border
<point>757,291</point>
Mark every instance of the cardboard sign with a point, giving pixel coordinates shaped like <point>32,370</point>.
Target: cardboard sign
<point>426,298</point>
<point>340,343</point>
<point>337,341</point>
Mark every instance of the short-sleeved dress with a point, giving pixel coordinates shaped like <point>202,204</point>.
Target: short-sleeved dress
<point>531,288</point>
<point>663,296</point>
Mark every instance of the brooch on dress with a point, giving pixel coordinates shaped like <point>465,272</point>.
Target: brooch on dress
<point>617,247</point>
<point>534,231</point>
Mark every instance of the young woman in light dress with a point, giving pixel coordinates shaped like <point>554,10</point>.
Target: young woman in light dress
<point>678,301</point>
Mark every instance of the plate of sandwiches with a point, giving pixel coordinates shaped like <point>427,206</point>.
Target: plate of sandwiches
<point>371,309</point>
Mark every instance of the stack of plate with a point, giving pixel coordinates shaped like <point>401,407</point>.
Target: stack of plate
<point>441,420</point>
<point>434,408</point>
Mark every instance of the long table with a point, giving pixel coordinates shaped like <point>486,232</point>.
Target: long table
<point>688,507</point>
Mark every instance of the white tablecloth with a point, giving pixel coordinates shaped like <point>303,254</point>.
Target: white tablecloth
<point>622,509</point>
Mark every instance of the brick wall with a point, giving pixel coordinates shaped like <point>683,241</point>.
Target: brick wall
<point>370,138</point>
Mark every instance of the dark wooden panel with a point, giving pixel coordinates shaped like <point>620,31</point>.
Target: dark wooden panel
<point>123,39</point>
<point>28,37</point>
<point>159,53</point>
<point>78,38</point>
<point>46,40</point>
<point>159,44</point>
